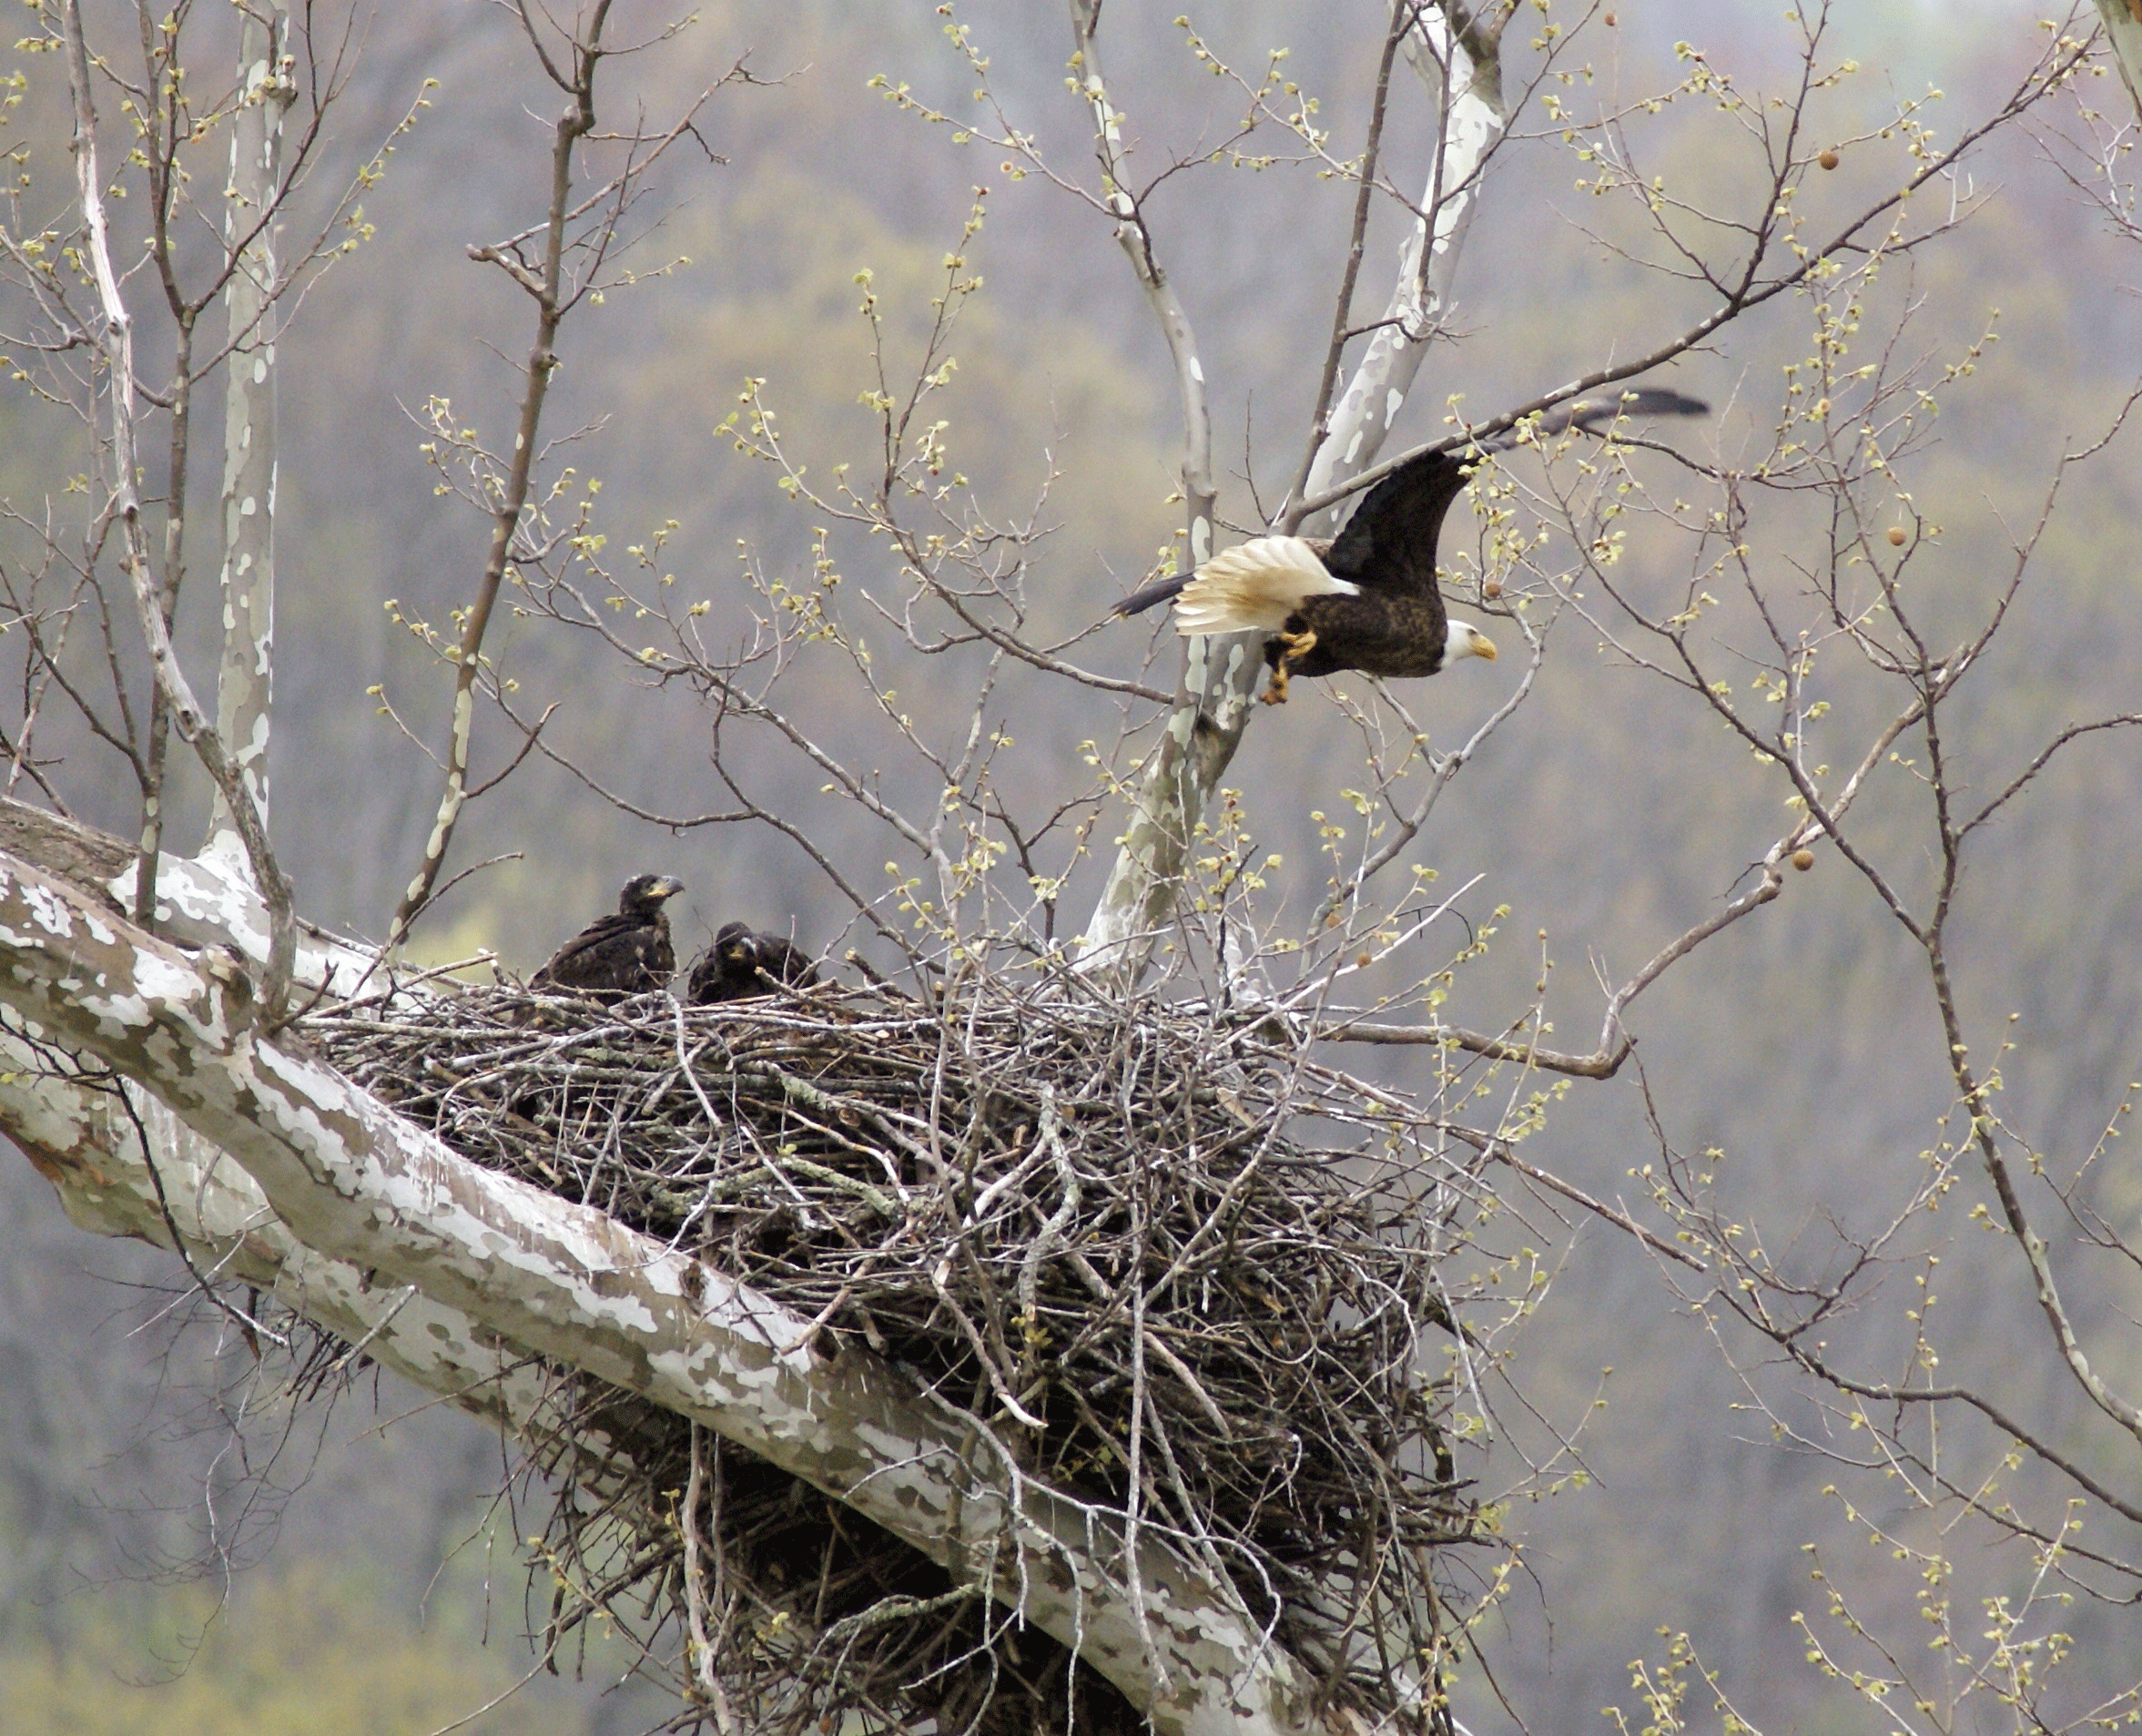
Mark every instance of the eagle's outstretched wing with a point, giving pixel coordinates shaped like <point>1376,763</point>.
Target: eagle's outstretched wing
<point>1389,544</point>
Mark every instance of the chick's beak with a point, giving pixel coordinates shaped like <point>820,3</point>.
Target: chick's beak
<point>666,887</point>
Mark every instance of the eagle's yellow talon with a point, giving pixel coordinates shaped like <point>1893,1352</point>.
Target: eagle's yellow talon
<point>1291,646</point>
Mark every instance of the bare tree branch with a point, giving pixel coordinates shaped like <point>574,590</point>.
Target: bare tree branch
<point>245,691</point>
<point>187,716</point>
<point>547,288</point>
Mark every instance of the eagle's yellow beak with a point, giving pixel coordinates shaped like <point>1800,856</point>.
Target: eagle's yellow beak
<point>1482,646</point>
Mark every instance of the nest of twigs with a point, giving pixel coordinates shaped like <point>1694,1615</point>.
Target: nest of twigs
<point>1151,1224</point>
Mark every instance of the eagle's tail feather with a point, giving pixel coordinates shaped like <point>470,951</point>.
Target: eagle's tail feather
<point>1254,587</point>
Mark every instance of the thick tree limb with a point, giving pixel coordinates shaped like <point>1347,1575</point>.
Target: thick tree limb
<point>245,689</point>
<point>1220,674</point>
<point>1212,703</point>
<point>2123,30</point>
<point>77,1137</point>
<point>353,1182</point>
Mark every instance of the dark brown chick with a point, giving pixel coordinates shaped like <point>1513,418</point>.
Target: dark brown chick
<point>740,964</point>
<point>626,954</point>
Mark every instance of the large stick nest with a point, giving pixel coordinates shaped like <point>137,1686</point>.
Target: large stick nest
<point>1162,1234</point>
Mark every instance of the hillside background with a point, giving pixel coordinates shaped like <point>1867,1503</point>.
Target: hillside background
<point>1598,816</point>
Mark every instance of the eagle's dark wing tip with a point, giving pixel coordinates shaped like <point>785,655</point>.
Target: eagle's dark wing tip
<point>1632,403</point>
<point>1662,401</point>
<point>1146,596</point>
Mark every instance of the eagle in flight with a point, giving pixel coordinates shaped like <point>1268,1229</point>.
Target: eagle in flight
<point>1367,599</point>
<point>626,954</point>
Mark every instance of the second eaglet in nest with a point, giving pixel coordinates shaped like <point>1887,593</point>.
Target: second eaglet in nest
<point>626,954</point>
<point>741,964</point>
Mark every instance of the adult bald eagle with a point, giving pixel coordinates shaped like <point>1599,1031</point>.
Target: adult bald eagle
<point>1367,599</point>
<point>740,964</point>
<point>626,954</point>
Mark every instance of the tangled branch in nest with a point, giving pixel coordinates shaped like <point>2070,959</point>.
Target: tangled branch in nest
<point>1102,1229</point>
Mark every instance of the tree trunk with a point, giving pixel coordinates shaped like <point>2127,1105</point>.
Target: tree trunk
<point>245,688</point>
<point>1213,702</point>
<point>2123,30</point>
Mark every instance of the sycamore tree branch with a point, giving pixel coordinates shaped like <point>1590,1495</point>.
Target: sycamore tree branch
<point>1405,13</point>
<point>245,688</point>
<point>76,1136</point>
<point>160,151</point>
<point>2122,31</point>
<point>354,1182</point>
<point>1742,292</point>
<point>117,341</point>
<point>1211,702</point>
<point>1463,68</point>
<point>1220,674</point>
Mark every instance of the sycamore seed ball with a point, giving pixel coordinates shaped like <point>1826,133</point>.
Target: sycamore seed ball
<point>1828,159</point>
<point>1492,589</point>
<point>1803,860</point>
<point>1366,959</point>
<point>1896,536</point>
<point>1610,21</point>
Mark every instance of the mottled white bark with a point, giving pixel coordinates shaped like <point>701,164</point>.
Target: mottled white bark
<point>245,689</point>
<point>116,342</point>
<point>1465,72</point>
<point>1220,674</point>
<point>2123,30</point>
<point>353,1189</point>
<point>80,1139</point>
<point>83,1142</point>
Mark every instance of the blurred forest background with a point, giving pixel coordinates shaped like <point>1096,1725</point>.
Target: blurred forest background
<point>1598,816</point>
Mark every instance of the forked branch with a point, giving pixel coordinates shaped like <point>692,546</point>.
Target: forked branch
<point>192,723</point>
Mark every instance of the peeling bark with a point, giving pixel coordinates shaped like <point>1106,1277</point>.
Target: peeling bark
<point>245,689</point>
<point>1212,707</point>
<point>2123,30</point>
<point>1220,674</point>
<point>346,1187</point>
<point>116,343</point>
<point>1469,91</point>
<point>79,1138</point>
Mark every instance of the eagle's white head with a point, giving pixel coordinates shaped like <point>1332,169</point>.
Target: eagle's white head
<point>1463,640</point>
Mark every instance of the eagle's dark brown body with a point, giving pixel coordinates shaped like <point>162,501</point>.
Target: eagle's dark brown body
<point>740,964</point>
<point>626,954</point>
<point>1379,634</point>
